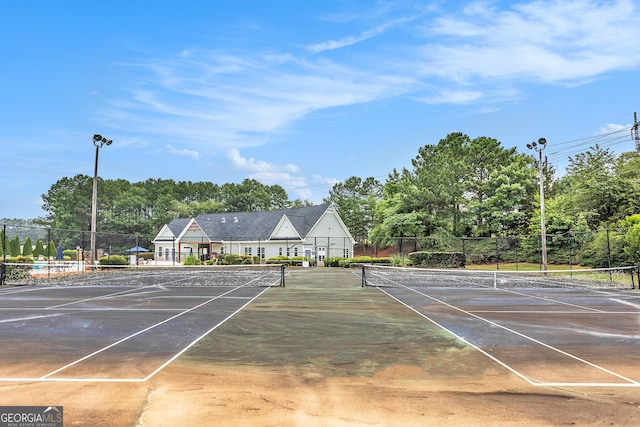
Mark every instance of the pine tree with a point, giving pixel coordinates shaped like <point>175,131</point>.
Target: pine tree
<point>27,249</point>
<point>51,249</point>
<point>15,246</point>
<point>39,250</point>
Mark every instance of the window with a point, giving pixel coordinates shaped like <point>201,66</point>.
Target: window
<point>288,251</point>
<point>345,253</point>
<point>295,251</point>
<point>247,250</point>
<point>221,250</point>
<point>280,251</point>
<point>261,252</point>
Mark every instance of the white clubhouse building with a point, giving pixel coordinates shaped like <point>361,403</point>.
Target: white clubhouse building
<point>315,232</point>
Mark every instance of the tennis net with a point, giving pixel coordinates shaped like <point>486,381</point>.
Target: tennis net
<point>597,278</point>
<point>63,274</point>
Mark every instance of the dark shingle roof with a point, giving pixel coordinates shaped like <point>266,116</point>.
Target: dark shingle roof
<point>177,225</point>
<point>240,226</point>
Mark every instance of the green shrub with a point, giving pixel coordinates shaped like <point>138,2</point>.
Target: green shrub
<point>20,259</point>
<point>17,272</point>
<point>437,259</point>
<point>192,260</point>
<point>113,260</point>
<point>232,259</point>
<point>70,254</point>
<point>399,261</point>
<point>332,262</point>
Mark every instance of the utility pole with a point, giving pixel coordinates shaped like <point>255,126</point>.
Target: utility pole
<point>634,131</point>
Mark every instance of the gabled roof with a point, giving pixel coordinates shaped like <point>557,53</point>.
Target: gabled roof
<point>178,225</point>
<point>171,231</point>
<point>240,226</point>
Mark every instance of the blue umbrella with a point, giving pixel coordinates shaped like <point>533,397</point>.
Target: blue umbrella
<point>59,256</point>
<point>137,249</point>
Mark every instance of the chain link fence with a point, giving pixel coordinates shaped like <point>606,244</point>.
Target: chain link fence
<point>597,249</point>
<point>45,244</point>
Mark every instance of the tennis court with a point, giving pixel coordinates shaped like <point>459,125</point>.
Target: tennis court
<point>118,325</point>
<point>322,351</point>
<point>550,331</point>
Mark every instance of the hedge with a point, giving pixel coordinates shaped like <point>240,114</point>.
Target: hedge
<point>438,259</point>
<point>348,262</point>
<point>113,260</point>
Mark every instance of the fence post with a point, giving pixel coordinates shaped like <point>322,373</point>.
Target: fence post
<point>464,252</point>
<point>608,250</point>
<point>570,254</point>
<point>282,274</point>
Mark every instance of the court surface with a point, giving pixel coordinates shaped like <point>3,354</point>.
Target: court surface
<point>550,337</point>
<point>107,333</point>
<point>546,336</point>
<point>322,351</point>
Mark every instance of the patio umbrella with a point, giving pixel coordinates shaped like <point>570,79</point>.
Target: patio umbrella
<point>59,255</point>
<point>137,249</point>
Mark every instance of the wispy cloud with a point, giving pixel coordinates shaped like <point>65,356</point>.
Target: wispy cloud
<point>185,101</point>
<point>288,175</point>
<point>183,152</point>
<point>257,166</point>
<point>351,40</point>
<point>611,128</point>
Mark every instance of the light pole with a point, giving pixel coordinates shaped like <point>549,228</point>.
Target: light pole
<point>539,146</point>
<point>98,141</point>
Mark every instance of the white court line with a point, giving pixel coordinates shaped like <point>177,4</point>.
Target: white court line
<point>11,291</point>
<point>20,319</point>
<point>152,374</point>
<point>551,300</point>
<point>164,365</point>
<point>553,312</point>
<point>97,298</point>
<point>135,289</point>
<point>133,335</point>
<point>629,382</point>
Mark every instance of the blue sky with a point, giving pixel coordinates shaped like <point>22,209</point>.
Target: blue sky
<point>301,93</point>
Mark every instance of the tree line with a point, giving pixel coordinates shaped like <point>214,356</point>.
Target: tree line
<point>458,187</point>
<point>463,188</point>
<point>142,208</point>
